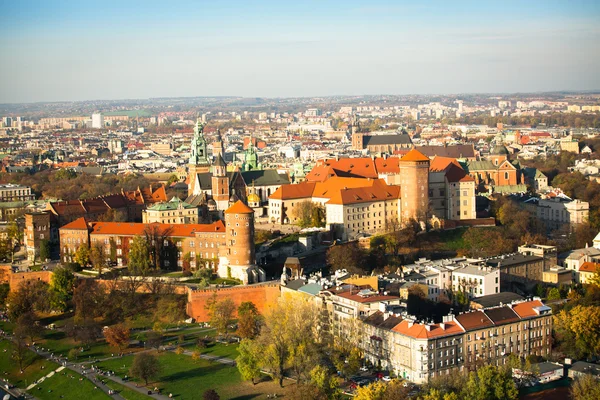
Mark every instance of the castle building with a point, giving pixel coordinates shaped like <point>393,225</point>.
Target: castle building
<point>198,161</point>
<point>228,247</point>
<point>414,186</point>
<point>37,229</point>
<point>173,211</point>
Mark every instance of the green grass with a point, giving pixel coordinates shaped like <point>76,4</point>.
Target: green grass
<point>222,350</point>
<point>32,367</point>
<point>128,394</point>
<point>183,377</point>
<point>67,384</point>
<point>7,326</point>
<point>59,343</point>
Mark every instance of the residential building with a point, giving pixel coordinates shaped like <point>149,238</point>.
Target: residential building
<point>381,143</point>
<point>518,271</point>
<point>12,192</point>
<point>97,121</point>
<point>476,280</point>
<point>559,211</point>
<point>587,271</point>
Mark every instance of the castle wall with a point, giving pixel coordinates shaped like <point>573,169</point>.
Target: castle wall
<point>262,295</point>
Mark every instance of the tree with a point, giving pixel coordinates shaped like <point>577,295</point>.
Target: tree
<point>117,336</point>
<point>62,285</point>
<point>20,351</point>
<point>248,362</point>
<point>160,247</point>
<point>490,383</point>
<point>220,313</point>
<point>145,366</point>
<point>349,257</point>
<point>553,294</point>
<point>485,242</point>
<point>396,390</point>
<point>44,250</point>
<point>309,214</point>
<point>586,387</point>
<point>154,339</point>
<point>170,310</point>
<point>27,326</point>
<point>373,391</point>
<point>288,338</point>
<point>89,298</point>
<point>578,330</point>
<point>322,378</point>
<point>82,255</point>
<point>30,296</point>
<point>211,394</point>
<point>139,256</point>
<point>4,291</point>
<point>15,236</point>
<point>248,320</point>
<point>98,258</point>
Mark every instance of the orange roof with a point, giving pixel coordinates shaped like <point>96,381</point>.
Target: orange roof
<point>439,163</point>
<point>300,190</point>
<point>457,174</point>
<point>589,266</point>
<point>79,223</point>
<point>172,230</point>
<point>239,208</point>
<point>377,192</point>
<point>525,309</point>
<point>387,165</point>
<point>420,331</point>
<point>414,155</point>
<point>320,173</point>
<point>335,184</point>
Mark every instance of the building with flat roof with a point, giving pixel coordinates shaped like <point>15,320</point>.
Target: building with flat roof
<point>12,192</point>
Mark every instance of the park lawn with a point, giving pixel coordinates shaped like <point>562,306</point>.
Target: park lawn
<point>128,394</point>
<point>182,376</point>
<point>68,385</point>
<point>222,350</point>
<point>32,370</point>
<point>7,326</point>
<point>60,344</point>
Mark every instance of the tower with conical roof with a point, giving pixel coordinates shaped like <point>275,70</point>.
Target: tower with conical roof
<point>414,187</point>
<point>237,257</point>
<point>198,161</point>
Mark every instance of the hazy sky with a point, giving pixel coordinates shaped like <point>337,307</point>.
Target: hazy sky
<point>83,50</point>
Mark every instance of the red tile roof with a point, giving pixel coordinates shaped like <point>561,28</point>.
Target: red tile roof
<point>420,331</point>
<point>474,320</point>
<point>439,163</point>
<point>133,229</point>
<point>239,208</point>
<point>589,266</point>
<point>457,174</point>
<point>79,223</point>
<point>414,155</point>
<point>525,309</point>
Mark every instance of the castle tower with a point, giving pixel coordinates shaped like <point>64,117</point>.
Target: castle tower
<point>414,186</point>
<point>37,230</point>
<point>198,161</point>
<point>220,184</point>
<point>237,256</point>
<point>218,148</point>
<point>250,158</point>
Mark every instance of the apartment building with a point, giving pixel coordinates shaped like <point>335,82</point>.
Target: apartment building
<point>12,192</point>
<point>559,211</point>
<point>476,280</point>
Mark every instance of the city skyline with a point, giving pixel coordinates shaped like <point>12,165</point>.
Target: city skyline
<point>70,52</point>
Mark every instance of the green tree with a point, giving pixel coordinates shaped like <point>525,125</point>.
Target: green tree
<point>98,258</point>
<point>373,391</point>
<point>139,256</point>
<point>145,366</point>
<point>82,255</point>
<point>586,387</point>
<point>553,294</point>
<point>322,378</point>
<point>44,250</point>
<point>31,296</point>
<point>248,320</point>
<point>15,236</point>
<point>220,314</point>
<point>4,291</point>
<point>248,362</point>
<point>490,383</point>
<point>62,285</point>
<point>309,214</point>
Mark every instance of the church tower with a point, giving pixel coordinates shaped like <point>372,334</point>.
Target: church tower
<point>218,148</point>
<point>220,184</point>
<point>198,161</point>
<point>250,158</point>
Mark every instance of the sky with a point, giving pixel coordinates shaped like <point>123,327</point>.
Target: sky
<point>103,50</point>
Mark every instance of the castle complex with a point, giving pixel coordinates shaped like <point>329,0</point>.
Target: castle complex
<point>226,247</point>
